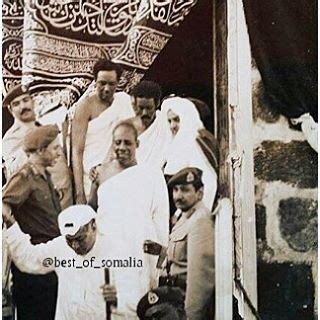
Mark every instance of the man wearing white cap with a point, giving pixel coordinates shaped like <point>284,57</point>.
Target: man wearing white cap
<point>76,256</point>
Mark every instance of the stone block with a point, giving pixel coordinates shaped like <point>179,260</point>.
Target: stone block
<point>286,291</point>
<point>298,223</point>
<point>295,163</point>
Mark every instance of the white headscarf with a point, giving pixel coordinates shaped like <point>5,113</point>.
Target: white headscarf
<point>183,150</point>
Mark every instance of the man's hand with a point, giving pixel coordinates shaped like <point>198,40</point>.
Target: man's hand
<point>94,174</point>
<point>109,293</point>
<point>7,215</point>
<point>152,247</point>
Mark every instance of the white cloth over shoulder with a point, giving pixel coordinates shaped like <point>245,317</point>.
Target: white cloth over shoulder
<point>133,207</point>
<point>183,150</point>
<point>79,287</point>
<point>309,128</point>
<point>152,143</point>
<point>12,153</point>
<point>99,134</point>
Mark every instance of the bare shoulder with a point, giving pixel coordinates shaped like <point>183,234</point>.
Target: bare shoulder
<point>108,170</point>
<point>136,121</point>
<point>85,108</point>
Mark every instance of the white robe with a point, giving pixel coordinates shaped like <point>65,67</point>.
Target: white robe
<point>79,289</point>
<point>133,207</point>
<point>99,134</point>
<point>184,151</point>
<point>152,143</point>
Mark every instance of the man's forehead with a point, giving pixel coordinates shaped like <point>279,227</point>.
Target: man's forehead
<point>20,97</point>
<point>123,132</point>
<point>144,101</point>
<point>82,231</point>
<point>106,74</point>
<point>184,186</point>
<point>172,114</point>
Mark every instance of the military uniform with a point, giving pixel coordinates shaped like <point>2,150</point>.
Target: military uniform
<point>35,205</point>
<point>14,157</point>
<point>34,202</point>
<point>190,253</point>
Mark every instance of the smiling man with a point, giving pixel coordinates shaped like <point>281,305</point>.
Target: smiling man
<point>132,206</point>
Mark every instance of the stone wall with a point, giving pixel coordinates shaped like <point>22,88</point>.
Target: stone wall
<point>286,214</point>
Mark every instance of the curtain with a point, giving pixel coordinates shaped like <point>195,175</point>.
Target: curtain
<point>60,40</point>
<point>283,37</point>
<point>12,38</point>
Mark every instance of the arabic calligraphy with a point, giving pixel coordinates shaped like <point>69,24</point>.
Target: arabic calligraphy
<point>142,47</point>
<point>95,17</point>
<point>61,47</point>
<point>108,17</point>
<point>12,9</point>
<point>62,39</point>
<point>12,35</point>
<point>169,12</point>
<point>12,56</point>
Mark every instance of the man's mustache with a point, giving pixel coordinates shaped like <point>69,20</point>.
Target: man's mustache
<point>25,110</point>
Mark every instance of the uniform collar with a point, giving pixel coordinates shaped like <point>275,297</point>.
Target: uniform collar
<point>36,171</point>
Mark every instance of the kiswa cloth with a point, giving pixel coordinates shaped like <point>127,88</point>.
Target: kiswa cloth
<point>62,39</point>
<point>12,38</point>
<point>283,38</point>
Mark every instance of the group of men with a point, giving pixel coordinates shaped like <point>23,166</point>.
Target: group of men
<point>119,211</point>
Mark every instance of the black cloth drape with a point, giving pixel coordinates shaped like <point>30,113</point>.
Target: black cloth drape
<point>283,37</point>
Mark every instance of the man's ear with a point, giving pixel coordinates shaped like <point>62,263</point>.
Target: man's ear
<point>41,151</point>
<point>93,224</point>
<point>157,103</point>
<point>200,193</point>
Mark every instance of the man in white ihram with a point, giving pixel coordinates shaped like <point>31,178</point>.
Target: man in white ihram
<point>94,119</point>
<point>79,292</point>
<point>132,205</point>
<point>151,127</point>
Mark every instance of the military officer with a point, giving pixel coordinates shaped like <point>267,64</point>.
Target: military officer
<point>162,303</point>
<point>30,196</point>
<point>21,106</point>
<point>189,258</point>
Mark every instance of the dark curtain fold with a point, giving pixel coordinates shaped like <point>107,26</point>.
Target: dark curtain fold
<point>283,38</point>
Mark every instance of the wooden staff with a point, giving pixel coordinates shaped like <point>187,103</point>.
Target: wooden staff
<point>108,304</point>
